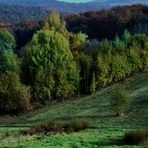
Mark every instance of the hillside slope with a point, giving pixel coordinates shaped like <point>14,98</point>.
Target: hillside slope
<point>108,130</point>
<point>53,4</point>
<point>96,108</point>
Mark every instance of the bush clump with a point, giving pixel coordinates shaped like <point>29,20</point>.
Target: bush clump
<point>135,137</point>
<point>120,101</point>
<point>79,125</point>
<point>30,132</point>
<point>14,96</point>
<point>52,127</point>
<point>49,126</point>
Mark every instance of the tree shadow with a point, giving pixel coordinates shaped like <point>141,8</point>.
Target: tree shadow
<point>110,142</point>
<point>84,117</point>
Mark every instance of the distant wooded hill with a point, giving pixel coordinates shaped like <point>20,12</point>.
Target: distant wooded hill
<point>97,24</point>
<point>18,14</point>
<point>109,23</point>
<point>16,11</point>
<point>60,6</point>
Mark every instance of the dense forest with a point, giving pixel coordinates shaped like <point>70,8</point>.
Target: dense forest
<point>75,4</point>
<point>96,24</point>
<point>17,11</point>
<point>53,63</point>
<point>108,23</point>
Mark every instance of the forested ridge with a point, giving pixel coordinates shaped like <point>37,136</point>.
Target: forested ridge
<point>54,64</point>
<point>17,11</point>
<point>108,23</point>
<point>17,14</point>
<point>96,24</point>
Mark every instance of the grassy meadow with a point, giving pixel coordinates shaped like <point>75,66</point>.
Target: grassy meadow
<point>106,129</point>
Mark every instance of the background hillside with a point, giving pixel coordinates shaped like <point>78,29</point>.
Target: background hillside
<point>60,6</point>
<point>95,24</point>
<point>16,11</point>
<point>95,108</point>
<point>106,130</point>
<point>122,2</point>
<point>17,14</point>
<point>49,3</point>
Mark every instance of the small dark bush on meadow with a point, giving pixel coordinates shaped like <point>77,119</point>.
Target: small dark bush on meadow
<point>79,125</point>
<point>52,127</point>
<point>135,137</point>
<point>30,131</point>
<point>49,126</point>
<point>68,129</point>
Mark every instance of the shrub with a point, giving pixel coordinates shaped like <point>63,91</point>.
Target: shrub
<point>78,125</point>
<point>134,59</point>
<point>84,62</point>
<point>67,128</point>
<point>49,126</point>
<point>103,67</point>
<point>14,96</point>
<point>120,100</point>
<point>53,127</point>
<point>30,131</point>
<point>134,137</point>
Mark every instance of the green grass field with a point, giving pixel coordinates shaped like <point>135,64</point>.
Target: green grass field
<point>107,130</point>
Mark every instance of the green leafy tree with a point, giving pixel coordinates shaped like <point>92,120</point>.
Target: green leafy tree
<point>77,42</point>
<point>120,101</point>
<point>119,45</point>
<point>144,59</point>
<point>103,66</point>
<point>103,69</point>
<point>91,48</point>
<point>140,42</point>
<point>84,62</point>
<point>127,37</point>
<point>49,64</point>
<point>120,67</point>
<point>7,41</point>
<point>134,59</point>
<point>14,96</point>
<point>9,62</point>
<point>54,22</point>
<point>93,84</point>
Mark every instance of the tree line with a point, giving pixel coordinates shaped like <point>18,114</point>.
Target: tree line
<point>57,64</point>
<point>96,24</point>
<point>107,23</point>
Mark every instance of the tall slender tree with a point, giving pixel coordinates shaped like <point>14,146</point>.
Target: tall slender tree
<point>49,62</point>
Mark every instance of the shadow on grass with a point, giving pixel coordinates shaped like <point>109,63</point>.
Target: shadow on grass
<point>107,142</point>
<point>84,117</point>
